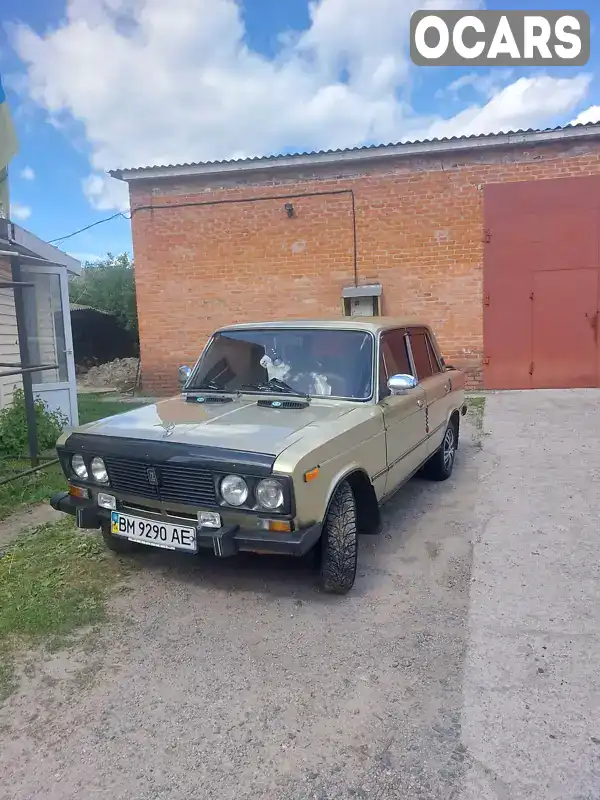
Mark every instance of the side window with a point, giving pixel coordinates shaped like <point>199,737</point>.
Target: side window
<point>425,365</point>
<point>393,359</point>
<point>432,356</point>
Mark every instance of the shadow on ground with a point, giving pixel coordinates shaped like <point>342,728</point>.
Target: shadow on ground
<point>285,576</point>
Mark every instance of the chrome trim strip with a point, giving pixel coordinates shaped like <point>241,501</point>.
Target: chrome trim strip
<point>398,460</point>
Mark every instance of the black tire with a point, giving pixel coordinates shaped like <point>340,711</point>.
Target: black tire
<point>339,543</point>
<point>440,465</point>
<point>118,544</point>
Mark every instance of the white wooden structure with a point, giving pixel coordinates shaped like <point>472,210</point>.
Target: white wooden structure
<point>46,318</point>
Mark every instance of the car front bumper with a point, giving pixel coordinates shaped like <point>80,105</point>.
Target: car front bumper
<point>225,541</point>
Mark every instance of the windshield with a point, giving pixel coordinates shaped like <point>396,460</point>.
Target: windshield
<point>333,363</point>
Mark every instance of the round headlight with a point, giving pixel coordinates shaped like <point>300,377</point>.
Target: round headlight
<point>234,490</point>
<point>269,494</point>
<point>79,467</point>
<point>99,470</point>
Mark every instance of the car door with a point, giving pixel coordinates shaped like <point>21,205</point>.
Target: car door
<point>434,381</point>
<point>404,414</point>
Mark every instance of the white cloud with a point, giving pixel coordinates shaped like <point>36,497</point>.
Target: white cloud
<point>155,82</point>
<point>28,174</point>
<point>105,193</point>
<point>511,108</point>
<point>590,115</point>
<point>486,84</point>
<point>19,211</point>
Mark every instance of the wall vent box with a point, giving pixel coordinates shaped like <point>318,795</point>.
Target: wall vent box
<point>362,301</point>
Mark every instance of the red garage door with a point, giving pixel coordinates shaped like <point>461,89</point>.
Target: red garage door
<point>541,284</point>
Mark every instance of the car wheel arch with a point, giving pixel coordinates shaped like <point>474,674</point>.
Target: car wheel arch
<point>367,508</point>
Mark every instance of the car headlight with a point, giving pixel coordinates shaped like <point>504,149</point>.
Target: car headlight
<point>79,467</point>
<point>269,494</point>
<point>99,470</point>
<point>234,490</point>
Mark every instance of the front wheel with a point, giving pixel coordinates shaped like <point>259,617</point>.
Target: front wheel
<point>339,543</point>
<point>440,465</point>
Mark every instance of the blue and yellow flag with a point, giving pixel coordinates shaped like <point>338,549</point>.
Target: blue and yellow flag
<point>8,149</point>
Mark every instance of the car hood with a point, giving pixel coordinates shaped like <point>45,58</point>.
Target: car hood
<point>238,425</point>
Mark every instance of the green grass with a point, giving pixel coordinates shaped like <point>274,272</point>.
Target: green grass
<point>96,406</point>
<point>476,406</point>
<point>31,489</point>
<point>38,486</point>
<point>53,581</point>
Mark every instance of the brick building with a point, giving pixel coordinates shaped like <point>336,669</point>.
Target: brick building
<point>495,240</point>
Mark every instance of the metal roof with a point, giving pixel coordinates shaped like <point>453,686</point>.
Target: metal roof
<point>79,307</point>
<point>32,250</point>
<point>407,148</point>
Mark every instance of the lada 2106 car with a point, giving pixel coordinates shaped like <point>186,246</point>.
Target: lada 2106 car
<point>286,438</point>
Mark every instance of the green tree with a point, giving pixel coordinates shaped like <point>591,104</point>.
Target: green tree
<point>108,285</point>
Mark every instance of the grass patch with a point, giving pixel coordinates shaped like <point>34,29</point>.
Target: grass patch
<point>476,406</point>
<point>53,581</point>
<point>31,489</point>
<point>476,403</point>
<point>97,406</point>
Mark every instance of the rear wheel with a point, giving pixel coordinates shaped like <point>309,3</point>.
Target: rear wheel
<point>339,543</point>
<point>116,543</point>
<point>440,465</point>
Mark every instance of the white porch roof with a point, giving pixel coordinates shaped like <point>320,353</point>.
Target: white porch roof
<point>16,241</point>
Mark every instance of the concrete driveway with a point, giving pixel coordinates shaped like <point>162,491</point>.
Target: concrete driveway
<point>464,665</point>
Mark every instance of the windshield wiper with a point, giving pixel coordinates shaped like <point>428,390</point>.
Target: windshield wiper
<point>210,386</point>
<point>274,384</point>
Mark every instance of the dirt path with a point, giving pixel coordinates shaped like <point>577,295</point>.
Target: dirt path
<point>239,679</point>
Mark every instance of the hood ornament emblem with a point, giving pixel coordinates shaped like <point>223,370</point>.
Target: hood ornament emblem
<point>168,428</point>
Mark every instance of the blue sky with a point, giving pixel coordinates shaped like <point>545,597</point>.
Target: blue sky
<point>98,84</point>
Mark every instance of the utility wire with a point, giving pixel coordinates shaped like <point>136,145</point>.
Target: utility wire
<point>87,227</point>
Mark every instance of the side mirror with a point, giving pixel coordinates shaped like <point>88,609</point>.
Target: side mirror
<point>399,384</point>
<point>184,374</point>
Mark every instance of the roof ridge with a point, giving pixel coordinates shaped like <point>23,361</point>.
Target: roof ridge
<point>357,149</point>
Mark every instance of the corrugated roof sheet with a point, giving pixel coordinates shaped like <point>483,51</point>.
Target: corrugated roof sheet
<point>275,157</point>
<point>79,307</point>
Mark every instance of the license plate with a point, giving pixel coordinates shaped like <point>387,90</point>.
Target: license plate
<point>156,534</point>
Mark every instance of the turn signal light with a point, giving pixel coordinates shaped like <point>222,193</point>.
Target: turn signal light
<point>278,525</point>
<point>78,491</point>
<point>311,474</point>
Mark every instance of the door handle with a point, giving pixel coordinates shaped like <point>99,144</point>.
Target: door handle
<point>420,403</point>
<point>448,387</point>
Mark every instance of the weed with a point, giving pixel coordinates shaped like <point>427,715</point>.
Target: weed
<point>476,408</point>
<point>13,426</point>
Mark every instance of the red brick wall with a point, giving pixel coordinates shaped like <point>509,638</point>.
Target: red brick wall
<point>419,225</point>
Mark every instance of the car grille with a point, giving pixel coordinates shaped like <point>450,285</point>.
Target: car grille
<point>176,483</point>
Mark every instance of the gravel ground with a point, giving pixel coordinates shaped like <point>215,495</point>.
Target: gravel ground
<point>240,680</point>
<point>531,717</point>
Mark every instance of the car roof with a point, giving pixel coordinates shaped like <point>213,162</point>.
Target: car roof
<point>372,324</point>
